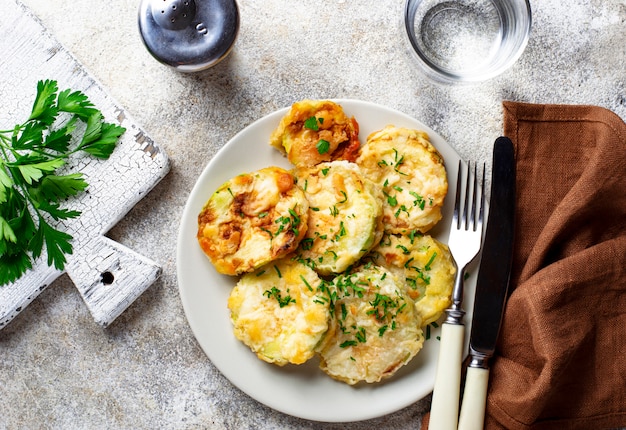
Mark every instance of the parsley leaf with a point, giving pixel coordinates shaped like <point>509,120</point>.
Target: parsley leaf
<point>276,294</point>
<point>43,109</point>
<point>323,146</point>
<point>32,172</point>
<point>104,145</point>
<point>76,102</point>
<point>31,190</point>
<point>311,123</point>
<point>57,188</point>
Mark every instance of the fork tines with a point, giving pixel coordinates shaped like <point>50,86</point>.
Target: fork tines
<point>472,188</point>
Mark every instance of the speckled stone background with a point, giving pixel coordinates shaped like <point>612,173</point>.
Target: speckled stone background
<point>59,370</point>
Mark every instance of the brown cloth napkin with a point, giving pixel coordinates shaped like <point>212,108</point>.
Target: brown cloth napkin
<point>561,357</point>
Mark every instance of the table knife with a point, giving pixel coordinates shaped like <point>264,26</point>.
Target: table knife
<point>491,285</point>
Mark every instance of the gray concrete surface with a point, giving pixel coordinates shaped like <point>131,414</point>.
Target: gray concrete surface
<point>60,370</point>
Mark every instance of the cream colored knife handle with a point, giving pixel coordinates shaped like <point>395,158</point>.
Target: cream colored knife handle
<point>474,399</point>
<point>444,411</point>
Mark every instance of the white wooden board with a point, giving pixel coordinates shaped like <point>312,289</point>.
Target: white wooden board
<point>108,275</point>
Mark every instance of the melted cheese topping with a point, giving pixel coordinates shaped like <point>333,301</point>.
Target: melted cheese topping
<point>345,215</point>
<point>374,330</point>
<point>426,267</point>
<point>252,219</point>
<point>280,312</point>
<point>411,174</point>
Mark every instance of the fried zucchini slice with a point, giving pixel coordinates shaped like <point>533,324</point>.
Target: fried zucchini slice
<point>426,267</point>
<point>345,216</point>
<point>253,219</point>
<point>374,329</point>
<point>412,174</point>
<point>280,311</point>
<point>316,131</point>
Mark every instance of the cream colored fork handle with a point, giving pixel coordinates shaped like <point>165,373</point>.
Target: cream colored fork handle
<point>474,399</point>
<point>444,411</point>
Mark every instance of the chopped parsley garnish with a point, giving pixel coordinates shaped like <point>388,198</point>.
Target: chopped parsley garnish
<point>341,233</point>
<point>420,272</point>
<point>280,275</point>
<point>419,200</point>
<point>404,249</point>
<point>391,200</point>
<point>435,325</point>
<point>311,123</point>
<point>382,330</point>
<point>307,243</point>
<point>276,294</point>
<point>348,343</point>
<point>323,146</point>
<point>292,222</point>
<point>382,307</point>
<point>432,258</point>
<point>360,335</point>
<point>306,283</point>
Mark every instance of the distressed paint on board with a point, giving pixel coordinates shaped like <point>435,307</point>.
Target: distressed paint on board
<point>108,275</point>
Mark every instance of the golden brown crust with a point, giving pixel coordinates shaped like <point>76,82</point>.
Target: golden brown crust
<point>280,312</point>
<point>412,175</point>
<point>252,219</point>
<point>374,329</point>
<point>345,220</point>
<point>310,122</point>
<point>424,265</point>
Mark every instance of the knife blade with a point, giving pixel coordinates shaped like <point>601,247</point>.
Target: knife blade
<point>491,285</point>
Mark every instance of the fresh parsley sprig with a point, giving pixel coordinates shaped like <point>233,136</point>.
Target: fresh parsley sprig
<point>31,189</point>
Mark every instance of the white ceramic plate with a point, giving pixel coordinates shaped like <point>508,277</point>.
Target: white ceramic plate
<point>303,391</point>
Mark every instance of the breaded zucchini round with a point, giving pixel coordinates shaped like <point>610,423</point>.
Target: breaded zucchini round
<point>374,329</point>
<point>412,174</point>
<point>315,131</point>
<point>425,265</point>
<point>252,219</point>
<point>345,216</point>
<point>280,311</point>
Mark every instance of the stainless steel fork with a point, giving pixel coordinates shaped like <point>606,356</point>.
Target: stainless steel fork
<point>466,232</point>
